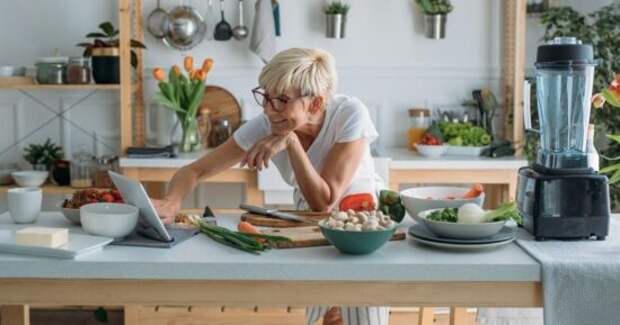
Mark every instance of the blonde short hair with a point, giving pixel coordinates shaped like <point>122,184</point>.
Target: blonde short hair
<point>311,71</point>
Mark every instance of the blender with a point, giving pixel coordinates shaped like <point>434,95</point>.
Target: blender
<point>559,196</point>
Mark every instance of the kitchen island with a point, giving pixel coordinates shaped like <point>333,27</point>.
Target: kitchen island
<point>202,272</point>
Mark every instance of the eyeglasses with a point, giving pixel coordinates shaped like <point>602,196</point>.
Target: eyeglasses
<point>277,103</point>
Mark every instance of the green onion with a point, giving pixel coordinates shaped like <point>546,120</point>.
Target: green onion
<point>250,243</point>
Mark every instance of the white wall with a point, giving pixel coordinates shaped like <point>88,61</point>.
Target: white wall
<point>385,60</point>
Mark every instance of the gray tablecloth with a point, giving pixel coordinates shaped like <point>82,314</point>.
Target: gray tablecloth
<point>581,279</point>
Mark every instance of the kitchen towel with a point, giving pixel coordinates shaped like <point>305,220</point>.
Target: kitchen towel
<point>263,38</point>
<point>581,279</point>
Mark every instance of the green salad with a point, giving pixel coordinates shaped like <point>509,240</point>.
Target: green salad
<point>464,134</point>
<point>472,213</point>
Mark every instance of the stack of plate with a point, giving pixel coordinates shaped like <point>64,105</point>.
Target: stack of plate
<point>421,234</point>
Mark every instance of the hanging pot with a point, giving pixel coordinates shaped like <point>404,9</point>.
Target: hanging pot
<point>435,26</point>
<point>336,24</point>
<point>184,28</point>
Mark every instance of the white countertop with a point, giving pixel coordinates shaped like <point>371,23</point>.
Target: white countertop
<point>202,258</point>
<point>400,158</point>
<point>403,158</point>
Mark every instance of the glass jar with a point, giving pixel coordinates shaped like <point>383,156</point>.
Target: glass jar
<point>51,70</point>
<point>78,70</point>
<point>104,165</point>
<point>56,74</point>
<point>82,169</point>
<point>221,132</point>
<point>419,122</point>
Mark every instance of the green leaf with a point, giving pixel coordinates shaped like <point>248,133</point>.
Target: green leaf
<point>195,100</point>
<point>164,101</point>
<point>611,98</point>
<point>609,169</point>
<point>615,178</point>
<point>137,44</point>
<point>96,35</point>
<point>107,28</point>
<point>614,137</point>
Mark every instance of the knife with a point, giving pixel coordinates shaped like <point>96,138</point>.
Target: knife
<point>276,214</point>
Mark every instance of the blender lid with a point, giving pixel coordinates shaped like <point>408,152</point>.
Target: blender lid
<point>565,49</point>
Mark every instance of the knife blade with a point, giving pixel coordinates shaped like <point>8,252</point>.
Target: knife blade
<point>276,214</point>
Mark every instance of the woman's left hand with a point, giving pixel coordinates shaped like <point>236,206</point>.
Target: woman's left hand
<point>259,155</point>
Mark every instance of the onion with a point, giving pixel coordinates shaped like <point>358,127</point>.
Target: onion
<point>471,213</point>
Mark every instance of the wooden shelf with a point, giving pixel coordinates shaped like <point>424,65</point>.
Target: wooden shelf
<point>61,87</point>
<point>48,189</point>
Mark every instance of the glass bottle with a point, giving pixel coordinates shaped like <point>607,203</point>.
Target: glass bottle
<point>104,165</point>
<point>82,168</point>
<point>419,122</point>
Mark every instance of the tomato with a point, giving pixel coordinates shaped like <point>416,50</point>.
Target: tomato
<point>107,197</point>
<point>358,202</point>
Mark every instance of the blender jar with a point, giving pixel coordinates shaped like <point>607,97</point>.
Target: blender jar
<point>564,80</point>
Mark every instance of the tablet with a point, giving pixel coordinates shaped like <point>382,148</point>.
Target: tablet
<point>133,193</point>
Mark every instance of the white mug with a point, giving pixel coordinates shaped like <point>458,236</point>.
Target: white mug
<point>25,204</point>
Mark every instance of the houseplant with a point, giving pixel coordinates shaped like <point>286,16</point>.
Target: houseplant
<point>599,28</point>
<point>41,156</point>
<point>435,16</point>
<point>611,96</point>
<point>183,93</point>
<point>336,18</point>
<point>104,51</point>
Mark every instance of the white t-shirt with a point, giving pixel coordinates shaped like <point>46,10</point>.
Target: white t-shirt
<point>346,120</point>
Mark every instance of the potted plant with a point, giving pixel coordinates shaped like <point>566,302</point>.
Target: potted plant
<point>41,156</point>
<point>435,16</point>
<point>336,15</point>
<point>183,93</point>
<point>104,51</point>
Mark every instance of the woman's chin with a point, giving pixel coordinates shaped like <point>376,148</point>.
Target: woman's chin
<point>280,131</point>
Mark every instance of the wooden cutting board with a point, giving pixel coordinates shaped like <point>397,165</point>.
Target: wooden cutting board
<point>263,221</point>
<point>310,236</point>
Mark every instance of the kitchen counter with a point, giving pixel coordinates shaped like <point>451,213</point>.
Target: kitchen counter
<point>403,158</point>
<point>202,258</point>
<point>202,272</point>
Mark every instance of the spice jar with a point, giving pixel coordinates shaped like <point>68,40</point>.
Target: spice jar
<point>419,122</point>
<point>204,126</point>
<point>104,165</point>
<point>82,169</point>
<point>78,70</point>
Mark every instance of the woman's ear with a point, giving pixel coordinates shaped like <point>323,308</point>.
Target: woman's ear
<point>316,104</point>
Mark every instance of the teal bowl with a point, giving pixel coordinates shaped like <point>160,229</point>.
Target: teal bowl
<point>357,242</point>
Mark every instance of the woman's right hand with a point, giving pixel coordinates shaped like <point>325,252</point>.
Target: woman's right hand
<point>166,209</point>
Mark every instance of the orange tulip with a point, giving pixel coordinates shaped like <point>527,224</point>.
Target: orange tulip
<point>176,70</point>
<point>614,87</point>
<point>201,75</point>
<point>191,73</point>
<point>159,74</point>
<point>188,63</point>
<point>207,65</point>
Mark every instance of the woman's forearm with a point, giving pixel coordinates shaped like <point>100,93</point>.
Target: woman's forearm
<point>315,190</point>
<point>186,179</point>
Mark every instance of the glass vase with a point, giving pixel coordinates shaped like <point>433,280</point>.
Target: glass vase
<point>190,137</point>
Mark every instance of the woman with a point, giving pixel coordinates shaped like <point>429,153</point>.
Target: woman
<point>320,143</point>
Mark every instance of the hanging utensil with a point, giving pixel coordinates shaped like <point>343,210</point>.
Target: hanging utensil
<point>240,32</point>
<point>211,19</point>
<point>155,21</point>
<point>223,31</point>
<point>184,28</point>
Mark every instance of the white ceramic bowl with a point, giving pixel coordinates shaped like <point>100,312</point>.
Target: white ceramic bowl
<point>30,178</point>
<point>418,199</point>
<point>114,220</point>
<point>12,71</point>
<point>430,151</point>
<point>460,230</point>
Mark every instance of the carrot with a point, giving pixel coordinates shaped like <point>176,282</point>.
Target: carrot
<point>357,202</point>
<point>248,228</point>
<point>474,191</point>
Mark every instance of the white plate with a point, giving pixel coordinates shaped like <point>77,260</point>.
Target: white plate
<point>462,246</point>
<point>77,246</point>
